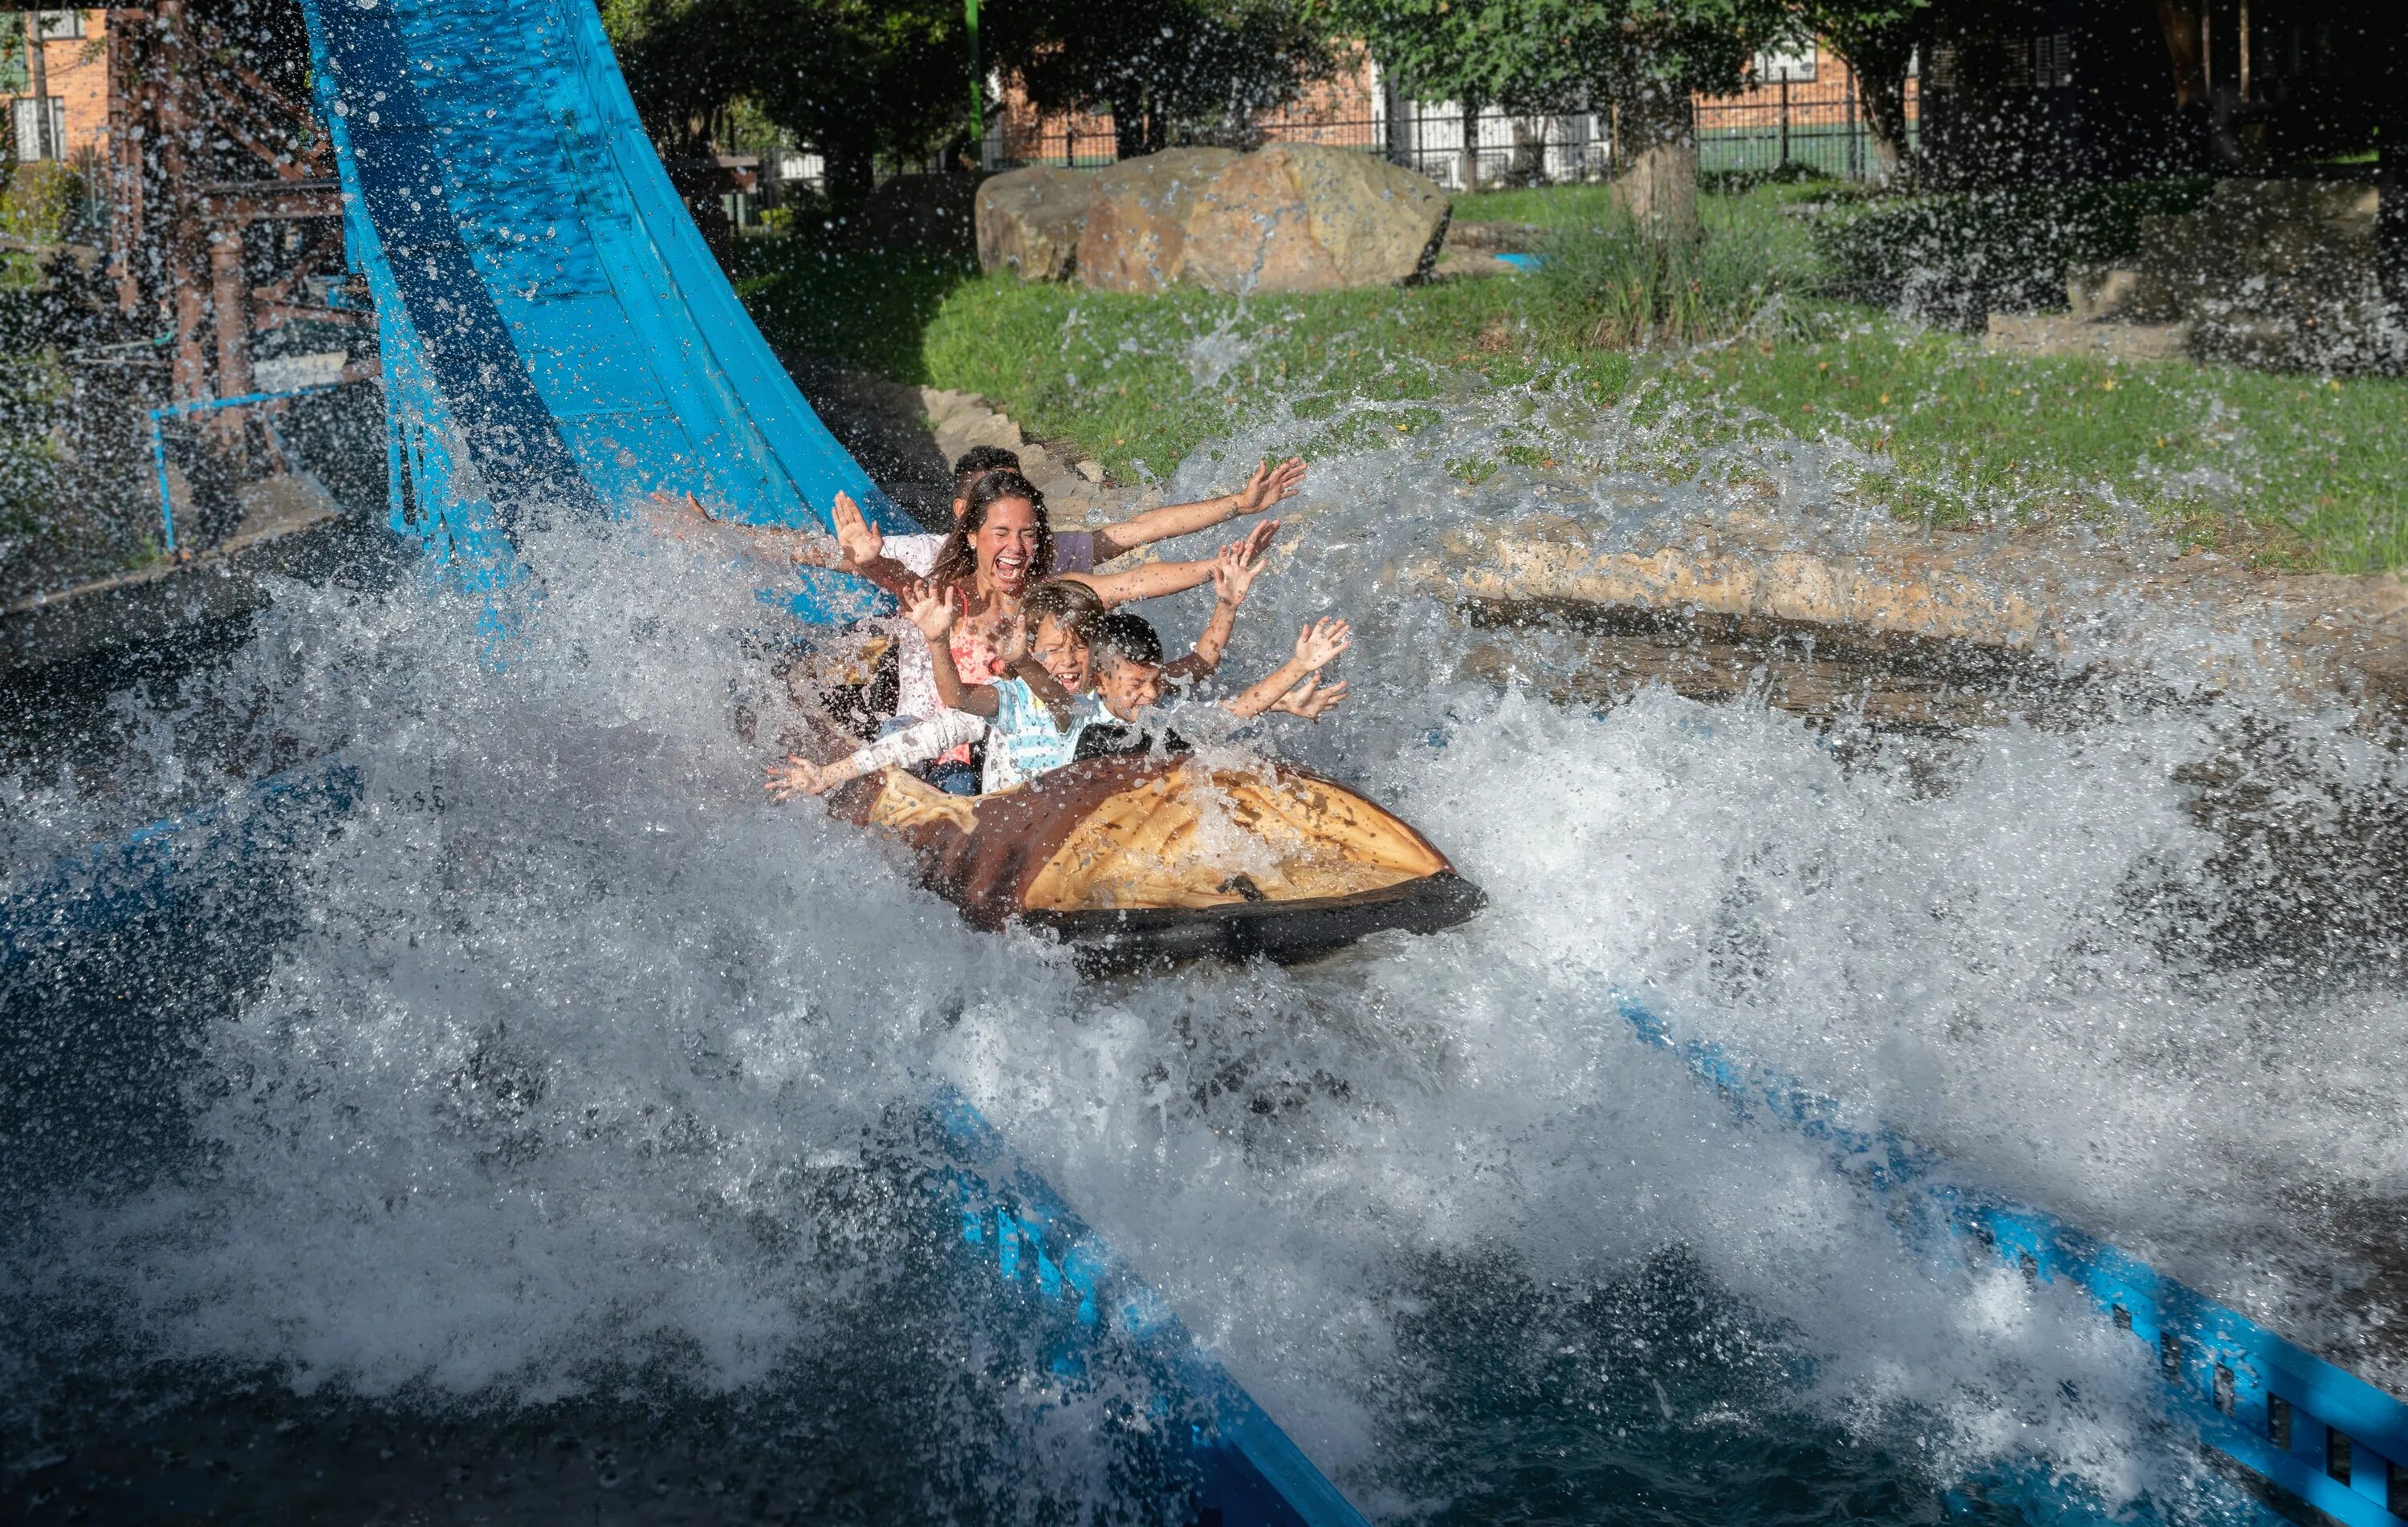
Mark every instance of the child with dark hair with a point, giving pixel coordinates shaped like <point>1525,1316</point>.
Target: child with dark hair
<point>1126,657</point>
<point>1034,715</point>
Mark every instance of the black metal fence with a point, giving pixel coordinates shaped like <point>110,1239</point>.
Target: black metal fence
<point>1792,124</point>
<point>1803,125</point>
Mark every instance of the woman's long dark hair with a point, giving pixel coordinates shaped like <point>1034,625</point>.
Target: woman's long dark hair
<point>957,561</point>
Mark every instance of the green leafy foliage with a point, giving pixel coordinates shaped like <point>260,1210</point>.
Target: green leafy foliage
<point>862,80</point>
<point>1540,55</point>
<point>1174,70</point>
<point>1878,39</point>
<point>1951,259</point>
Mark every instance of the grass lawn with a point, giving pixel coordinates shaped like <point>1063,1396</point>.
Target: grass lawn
<point>2291,471</point>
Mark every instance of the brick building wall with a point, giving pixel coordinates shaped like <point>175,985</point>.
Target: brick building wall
<point>1814,118</point>
<point>74,59</point>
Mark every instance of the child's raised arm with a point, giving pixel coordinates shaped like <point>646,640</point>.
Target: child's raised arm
<point>916,744</point>
<point>931,609</point>
<point>1233,574</point>
<point>1269,485</point>
<point>1316,647</point>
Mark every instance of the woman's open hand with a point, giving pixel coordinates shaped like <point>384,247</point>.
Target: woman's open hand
<point>856,539</point>
<point>1319,644</point>
<point>1270,485</point>
<point>931,608</point>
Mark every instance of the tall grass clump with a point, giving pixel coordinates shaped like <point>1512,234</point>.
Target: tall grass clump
<point>1630,287</point>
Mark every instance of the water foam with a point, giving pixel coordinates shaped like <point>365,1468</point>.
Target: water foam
<point>577,1037</point>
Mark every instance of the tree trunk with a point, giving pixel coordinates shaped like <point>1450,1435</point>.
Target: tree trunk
<point>1880,69</point>
<point>1135,130</point>
<point>1658,184</point>
<point>2391,208</point>
<point>851,171</point>
<point>1128,126</point>
<point>37,79</point>
<point>2181,22</point>
<point>1471,147</point>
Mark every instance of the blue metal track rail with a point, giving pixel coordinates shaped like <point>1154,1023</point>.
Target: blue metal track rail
<point>2320,1434</point>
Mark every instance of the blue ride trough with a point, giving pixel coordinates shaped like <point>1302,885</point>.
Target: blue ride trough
<point>556,339</point>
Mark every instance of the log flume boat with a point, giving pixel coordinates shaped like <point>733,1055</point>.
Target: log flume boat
<point>1140,862</point>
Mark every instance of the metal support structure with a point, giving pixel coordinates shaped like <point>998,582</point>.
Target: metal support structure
<point>978,86</point>
<point>2322,1433</point>
<point>159,440</point>
<point>209,139</point>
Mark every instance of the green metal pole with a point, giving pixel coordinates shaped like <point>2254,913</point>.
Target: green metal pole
<point>978,90</point>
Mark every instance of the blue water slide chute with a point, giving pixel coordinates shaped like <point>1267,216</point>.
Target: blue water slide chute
<point>555,334</point>
<point>556,339</point>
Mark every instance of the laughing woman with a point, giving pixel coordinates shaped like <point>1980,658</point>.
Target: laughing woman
<point>1001,548</point>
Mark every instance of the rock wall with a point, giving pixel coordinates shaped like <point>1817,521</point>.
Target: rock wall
<point>1302,217</point>
<point>1029,222</point>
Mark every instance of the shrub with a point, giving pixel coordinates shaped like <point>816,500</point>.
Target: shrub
<point>1951,259</point>
<point>1633,288</point>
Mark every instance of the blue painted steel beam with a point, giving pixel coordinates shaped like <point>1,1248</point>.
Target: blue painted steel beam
<point>177,411</point>
<point>2237,1383</point>
<point>1248,1470</point>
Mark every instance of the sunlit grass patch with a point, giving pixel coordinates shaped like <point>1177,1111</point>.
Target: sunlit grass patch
<point>2286,471</point>
<point>2289,470</point>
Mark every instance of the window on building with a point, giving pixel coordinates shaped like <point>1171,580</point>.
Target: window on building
<point>25,113</point>
<point>1774,67</point>
<point>55,24</point>
<point>2051,61</point>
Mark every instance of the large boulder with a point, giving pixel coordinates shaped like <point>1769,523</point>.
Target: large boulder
<point>1304,217</point>
<point>1029,221</point>
<point>1135,238</point>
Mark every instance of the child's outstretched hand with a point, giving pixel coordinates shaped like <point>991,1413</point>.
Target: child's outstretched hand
<point>931,610</point>
<point>1311,697</point>
<point>1271,485</point>
<point>1319,644</point>
<point>799,775</point>
<point>856,539</point>
<point>1234,570</point>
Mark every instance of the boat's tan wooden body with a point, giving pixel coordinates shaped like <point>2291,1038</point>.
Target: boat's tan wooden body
<point>1108,840</point>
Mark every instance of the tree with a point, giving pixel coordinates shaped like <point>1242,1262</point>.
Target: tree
<point>1651,60</point>
<point>1878,39</point>
<point>1519,54</point>
<point>1644,59</point>
<point>854,79</point>
<point>1173,68</point>
<point>860,78</point>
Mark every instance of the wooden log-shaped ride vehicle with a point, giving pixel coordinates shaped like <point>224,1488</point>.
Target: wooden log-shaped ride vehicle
<point>1139,860</point>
